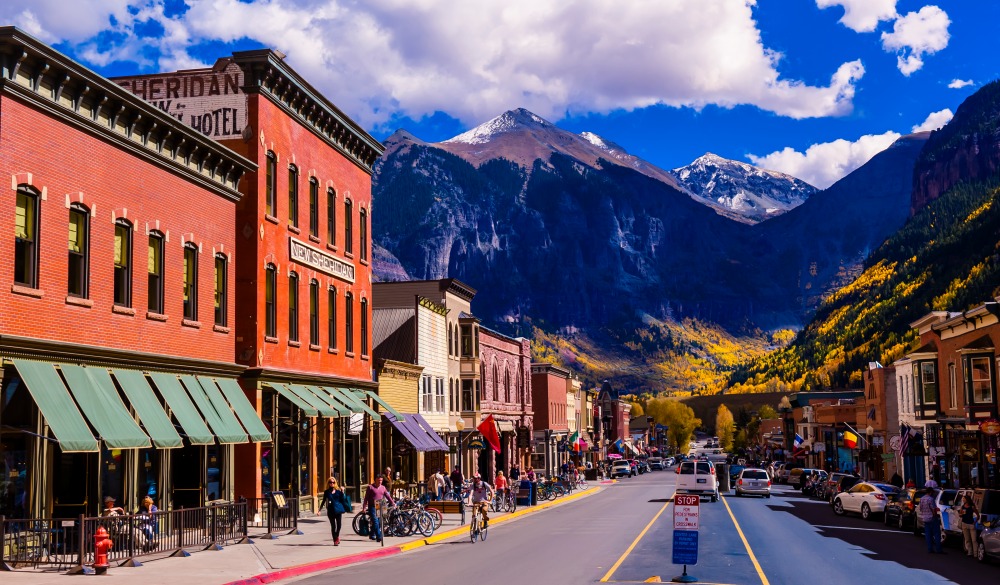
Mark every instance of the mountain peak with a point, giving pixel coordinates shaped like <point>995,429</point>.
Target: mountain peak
<point>509,121</point>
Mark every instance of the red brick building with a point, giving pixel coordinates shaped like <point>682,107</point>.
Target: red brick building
<point>549,385</point>
<point>303,273</point>
<point>505,364</point>
<point>116,295</point>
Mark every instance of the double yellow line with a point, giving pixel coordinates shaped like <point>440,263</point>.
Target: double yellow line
<point>628,551</point>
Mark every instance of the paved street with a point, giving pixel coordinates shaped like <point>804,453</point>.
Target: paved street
<point>586,542</point>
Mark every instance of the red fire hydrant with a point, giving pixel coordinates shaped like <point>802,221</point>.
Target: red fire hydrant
<point>102,544</point>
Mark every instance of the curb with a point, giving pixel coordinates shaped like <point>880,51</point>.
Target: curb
<point>389,551</point>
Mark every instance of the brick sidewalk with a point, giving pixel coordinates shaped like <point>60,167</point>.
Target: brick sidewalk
<point>270,560</point>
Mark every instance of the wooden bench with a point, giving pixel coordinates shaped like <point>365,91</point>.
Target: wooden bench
<point>448,507</point>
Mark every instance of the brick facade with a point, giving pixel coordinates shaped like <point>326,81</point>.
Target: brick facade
<point>507,395</point>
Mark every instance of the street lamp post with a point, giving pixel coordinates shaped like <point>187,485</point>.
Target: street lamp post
<point>869,433</point>
<point>460,425</point>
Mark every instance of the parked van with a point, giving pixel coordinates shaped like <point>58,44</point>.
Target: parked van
<point>698,477</point>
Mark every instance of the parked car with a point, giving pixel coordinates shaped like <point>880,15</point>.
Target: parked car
<point>643,466</point>
<point>865,498</point>
<point>753,481</point>
<point>837,482</point>
<point>902,512</point>
<point>734,473</point>
<point>669,462</point>
<point>698,477</point>
<point>797,477</point>
<point>656,463</point>
<point>988,503</point>
<point>621,468</point>
<point>781,472</point>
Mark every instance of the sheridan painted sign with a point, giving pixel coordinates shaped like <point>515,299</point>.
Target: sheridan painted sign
<point>208,100</point>
<point>305,254</point>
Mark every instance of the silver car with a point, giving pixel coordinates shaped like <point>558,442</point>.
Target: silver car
<point>753,482</point>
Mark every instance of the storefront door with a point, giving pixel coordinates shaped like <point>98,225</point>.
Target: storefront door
<point>186,467</point>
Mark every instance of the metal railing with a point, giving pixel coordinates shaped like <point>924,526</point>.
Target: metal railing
<point>62,544</point>
<point>264,514</point>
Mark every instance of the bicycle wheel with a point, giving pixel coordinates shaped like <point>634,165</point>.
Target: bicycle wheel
<point>424,523</point>
<point>582,484</point>
<point>360,525</point>
<point>512,503</point>
<point>483,531</point>
<point>474,528</point>
<point>437,516</point>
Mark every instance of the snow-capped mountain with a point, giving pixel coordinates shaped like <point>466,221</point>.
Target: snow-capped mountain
<point>523,137</point>
<point>741,190</point>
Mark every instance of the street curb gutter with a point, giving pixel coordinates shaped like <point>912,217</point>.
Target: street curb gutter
<point>389,551</point>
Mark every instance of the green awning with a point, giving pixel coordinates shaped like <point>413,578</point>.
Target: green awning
<point>57,407</point>
<point>216,411</point>
<point>356,404</point>
<point>322,406</point>
<point>244,410</point>
<point>325,396</point>
<point>337,400</point>
<point>395,413</point>
<point>295,399</point>
<point>183,409</point>
<point>104,409</point>
<point>151,414</point>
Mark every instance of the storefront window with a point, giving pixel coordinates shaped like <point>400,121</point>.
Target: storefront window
<point>113,474</point>
<point>148,483</point>
<point>15,414</point>
<point>214,480</point>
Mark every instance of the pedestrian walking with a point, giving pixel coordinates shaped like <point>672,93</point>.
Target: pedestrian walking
<point>456,483</point>
<point>930,515</point>
<point>969,515</point>
<point>376,493</point>
<point>337,504</point>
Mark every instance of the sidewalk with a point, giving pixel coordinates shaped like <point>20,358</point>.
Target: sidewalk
<point>266,561</point>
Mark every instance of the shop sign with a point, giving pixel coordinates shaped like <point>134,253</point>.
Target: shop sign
<point>887,457</point>
<point>990,427</point>
<point>305,254</point>
<point>477,444</point>
<point>402,449</point>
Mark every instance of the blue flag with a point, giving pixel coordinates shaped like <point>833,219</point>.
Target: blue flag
<point>798,439</point>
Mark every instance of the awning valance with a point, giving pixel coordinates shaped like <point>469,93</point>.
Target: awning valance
<point>246,412</point>
<point>154,419</point>
<point>505,426</point>
<point>104,409</point>
<point>436,438</point>
<point>57,406</point>
<point>415,436</point>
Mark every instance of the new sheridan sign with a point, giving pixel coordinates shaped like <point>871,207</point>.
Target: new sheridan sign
<point>305,254</point>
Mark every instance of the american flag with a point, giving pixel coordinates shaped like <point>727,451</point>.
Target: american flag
<point>904,438</point>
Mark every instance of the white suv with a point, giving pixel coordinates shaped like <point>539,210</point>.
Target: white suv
<point>621,468</point>
<point>698,477</point>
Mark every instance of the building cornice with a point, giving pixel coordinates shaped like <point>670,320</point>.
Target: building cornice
<point>267,74</point>
<point>458,288</point>
<point>15,346</point>
<point>52,82</point>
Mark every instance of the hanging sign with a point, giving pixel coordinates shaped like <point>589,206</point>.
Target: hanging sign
<point>357,423</point>
<point>477,444</point>
<point>990,427</point>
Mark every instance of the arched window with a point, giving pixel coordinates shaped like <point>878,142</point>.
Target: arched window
<point>332,318</point>
<point>348,227</point>
<point>293,196</point>
<point>364,326</point>
<point>190,282</point>
<point>123,263</point>
<point>271,185</point>
<point>293,307</point>
<point>348,323</point>
<point>221,290</point>
<point>78,284</point>
<point>26,237</point>
<point>154,272</point>
<point>363,233</point>
<point>314,312</point>
<point>451,341</point>
<point>496,384</point>
<point>314,207</point>
<point>270,306</point>
<point>506,384</point>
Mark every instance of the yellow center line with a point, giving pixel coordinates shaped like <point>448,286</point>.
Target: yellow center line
<point>628,551</point>
<point>753,558</point>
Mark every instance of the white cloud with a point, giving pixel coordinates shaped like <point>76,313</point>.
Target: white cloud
<point>934,120</point>
<point>862,15</point>
<point>916,34</point>
<point>822,165</point>
<point>380,58</point>
<point>960,83</point>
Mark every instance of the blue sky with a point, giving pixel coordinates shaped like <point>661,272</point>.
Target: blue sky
<point>809,87</point>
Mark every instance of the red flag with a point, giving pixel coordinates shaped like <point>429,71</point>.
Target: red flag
<point>489,430</point>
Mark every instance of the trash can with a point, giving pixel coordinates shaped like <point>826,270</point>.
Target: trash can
<point>526,494</point>
<point>590,474</point>
<point>722,474</point>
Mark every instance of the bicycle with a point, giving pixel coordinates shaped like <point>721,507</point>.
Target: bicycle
<point>477,528</point>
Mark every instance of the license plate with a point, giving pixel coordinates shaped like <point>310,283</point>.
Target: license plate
<point>702,480</point>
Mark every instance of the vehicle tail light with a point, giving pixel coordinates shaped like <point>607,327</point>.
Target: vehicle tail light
<point>739,482</point>
<point>768,483</point>
<point>879,496</point>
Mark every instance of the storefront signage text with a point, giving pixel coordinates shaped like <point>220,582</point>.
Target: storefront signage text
<point>990,427</point>
<point>305,254</point>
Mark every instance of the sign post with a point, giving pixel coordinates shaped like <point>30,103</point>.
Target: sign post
<point>687,515</point>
